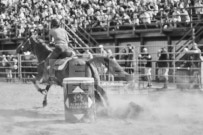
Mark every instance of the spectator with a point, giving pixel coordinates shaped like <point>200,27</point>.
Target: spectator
<point>110,55</point>
<point>146,65</point>
<point>130,58</point>
<point>87,55</point>
<point>136,20</point>
<point>194,54</point>
<point>163,66</point>
<point>15,66</point>
<point>193,62</point>
<point>176,17</point>
<point>184,16</point>
<point>6,62</point>
<point>101,68</point>
<point>199,9</point>
<point>102,51</point>
<point>145,18</point>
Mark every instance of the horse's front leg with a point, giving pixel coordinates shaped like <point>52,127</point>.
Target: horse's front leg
<point>43,91</point>
<point>44,103</point>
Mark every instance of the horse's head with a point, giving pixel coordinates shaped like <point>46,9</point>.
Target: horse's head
<point>24,46</point>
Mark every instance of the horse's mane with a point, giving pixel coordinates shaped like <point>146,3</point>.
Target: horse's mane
<point>38,40</point>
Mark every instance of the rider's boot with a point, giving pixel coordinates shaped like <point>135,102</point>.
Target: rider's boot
<point>45,77</point>
<point>51,70</point>
<point>48,72</point>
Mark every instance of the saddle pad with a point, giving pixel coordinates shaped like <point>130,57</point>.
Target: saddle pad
<point>60,64</point>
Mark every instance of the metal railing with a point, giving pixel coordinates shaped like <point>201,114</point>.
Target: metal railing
<point>26,67</point>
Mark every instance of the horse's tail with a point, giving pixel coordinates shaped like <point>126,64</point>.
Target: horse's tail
<point>113,67</point>
<point>100,94</point>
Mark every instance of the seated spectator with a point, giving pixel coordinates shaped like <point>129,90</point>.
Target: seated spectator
<point>176,17</point>
<point>145,17</point>
<point>135,19</point>
<point>184,16</point>
<point>198,8</point>
<point>126,19</point>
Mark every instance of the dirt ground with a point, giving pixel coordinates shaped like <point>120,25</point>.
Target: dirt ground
<point>154,113</point>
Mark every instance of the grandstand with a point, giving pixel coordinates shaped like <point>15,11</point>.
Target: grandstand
<point>114,24</point>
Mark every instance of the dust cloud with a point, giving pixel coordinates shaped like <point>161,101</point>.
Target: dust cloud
<point>171,112</point>
<point>165,106</point>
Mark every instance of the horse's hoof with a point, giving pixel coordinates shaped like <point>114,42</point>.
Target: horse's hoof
<point>44,103</point>
<point>44,92</point>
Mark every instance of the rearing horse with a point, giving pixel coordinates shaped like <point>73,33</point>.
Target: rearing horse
<point>39,48</point>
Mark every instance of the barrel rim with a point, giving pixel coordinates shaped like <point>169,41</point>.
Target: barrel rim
<point>78,79</point>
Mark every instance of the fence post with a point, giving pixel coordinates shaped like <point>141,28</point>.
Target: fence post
<point>174,63</point>
<point>135,63</point>
<point>19,66</point>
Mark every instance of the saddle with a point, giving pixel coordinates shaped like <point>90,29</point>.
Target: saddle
<point>60,64</point>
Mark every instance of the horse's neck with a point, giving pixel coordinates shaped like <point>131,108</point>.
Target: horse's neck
<point>42,54</point>
<point>41,51</point>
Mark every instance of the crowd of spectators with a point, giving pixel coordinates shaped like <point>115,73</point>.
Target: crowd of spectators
<point>34,15</point>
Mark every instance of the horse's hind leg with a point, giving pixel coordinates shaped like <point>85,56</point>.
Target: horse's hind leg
<point>102,94</point>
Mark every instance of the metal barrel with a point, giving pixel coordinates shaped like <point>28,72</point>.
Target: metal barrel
<point>79,99</point>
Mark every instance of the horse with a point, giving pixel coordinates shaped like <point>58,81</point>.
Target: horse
<point>41,50</point>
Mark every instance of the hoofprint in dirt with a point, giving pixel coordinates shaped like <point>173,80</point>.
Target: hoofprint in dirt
<point>170,112</point>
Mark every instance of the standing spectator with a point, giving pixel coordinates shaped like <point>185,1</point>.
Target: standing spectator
<point>102,51</point>
<point>101,68</point>
<point>163,65</point>
<point>127,58</point>
<point>193,57</point>
<point>6,62</point>
<point>129,62</point>
<point>87,55</point>
<point>110,55</point>
<point>146,63</point>
<point>193,62</point>
<point>15,66</point>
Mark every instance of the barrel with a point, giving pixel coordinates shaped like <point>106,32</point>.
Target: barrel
<point>79,99</point>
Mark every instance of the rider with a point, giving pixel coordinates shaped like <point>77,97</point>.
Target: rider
<point>57,36</point>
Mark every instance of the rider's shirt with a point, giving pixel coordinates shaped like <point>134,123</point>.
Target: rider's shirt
<point>60,36</point>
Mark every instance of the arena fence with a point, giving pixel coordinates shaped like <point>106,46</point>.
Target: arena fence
<point>22,67</point>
